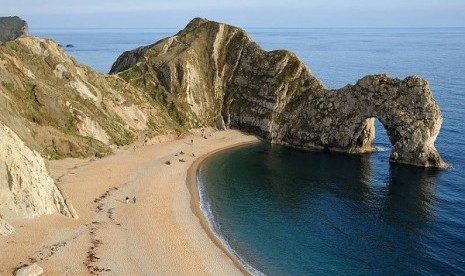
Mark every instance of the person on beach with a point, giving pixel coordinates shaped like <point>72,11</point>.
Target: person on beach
<point>134,148</point>
<point>134,199</point>
<point>127,200</point>
<point>192,141</point>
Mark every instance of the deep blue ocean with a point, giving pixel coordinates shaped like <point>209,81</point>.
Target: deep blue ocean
<point>290,212</point>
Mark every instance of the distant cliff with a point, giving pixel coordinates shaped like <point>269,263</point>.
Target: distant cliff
<point>212,73</point>
<point>11,28</point>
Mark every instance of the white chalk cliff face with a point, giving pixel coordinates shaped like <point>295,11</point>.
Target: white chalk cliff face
<point>26,189</point>
<point>212,73</point>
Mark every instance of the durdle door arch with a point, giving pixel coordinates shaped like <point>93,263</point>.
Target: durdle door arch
<point>409,114</point>
<point>345,122</point>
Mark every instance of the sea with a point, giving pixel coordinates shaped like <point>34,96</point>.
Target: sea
<point>283,211</point>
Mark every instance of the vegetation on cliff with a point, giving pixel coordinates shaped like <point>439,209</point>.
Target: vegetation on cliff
<point>62,108</point>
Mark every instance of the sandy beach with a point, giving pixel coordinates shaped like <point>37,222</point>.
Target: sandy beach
<point>162,233</point>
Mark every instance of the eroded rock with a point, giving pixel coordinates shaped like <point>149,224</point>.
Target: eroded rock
<point>26,189</point>
<point>211,69</point>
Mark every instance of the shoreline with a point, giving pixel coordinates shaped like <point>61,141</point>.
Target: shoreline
<point>162,234</point>
<point>193,186</point>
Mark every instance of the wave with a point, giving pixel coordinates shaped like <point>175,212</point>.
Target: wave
<point>205,207</point>
<point>381,148</point>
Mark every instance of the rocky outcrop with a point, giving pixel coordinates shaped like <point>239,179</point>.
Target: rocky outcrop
<point>26,189</point>
<point>11,28</point>
<point>214,74</point>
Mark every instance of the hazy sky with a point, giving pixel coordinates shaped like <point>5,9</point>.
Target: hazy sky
<point>251,13</point>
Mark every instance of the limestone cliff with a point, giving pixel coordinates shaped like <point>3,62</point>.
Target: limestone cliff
<point>188,72</point>
<point>212,73</point>
<point>26,189</point>
<point>62,108</point>
<point>11,28</point>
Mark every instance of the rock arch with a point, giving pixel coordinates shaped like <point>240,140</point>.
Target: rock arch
<point>345,122</point>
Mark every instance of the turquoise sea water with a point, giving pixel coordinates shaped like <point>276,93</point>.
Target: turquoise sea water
<point>292,212</point>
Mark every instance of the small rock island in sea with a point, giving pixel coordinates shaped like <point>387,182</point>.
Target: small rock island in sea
<point>208,74</point>
<point>213,73</point>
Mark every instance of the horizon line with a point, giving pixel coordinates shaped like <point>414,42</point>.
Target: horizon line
<point>246,27</point>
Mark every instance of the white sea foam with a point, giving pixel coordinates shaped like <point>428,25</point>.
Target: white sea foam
<point>381,148</point>
<point>215,228</point>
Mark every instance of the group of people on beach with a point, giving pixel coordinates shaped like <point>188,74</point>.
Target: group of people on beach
<point>133,200</point>
<point>202,135</point>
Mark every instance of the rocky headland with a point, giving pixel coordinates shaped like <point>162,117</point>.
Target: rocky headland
<point>208,74</point>
<point>12,27</point>
<point>214,74</point>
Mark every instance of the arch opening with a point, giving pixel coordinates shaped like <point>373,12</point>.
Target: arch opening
<point>381,140</point>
